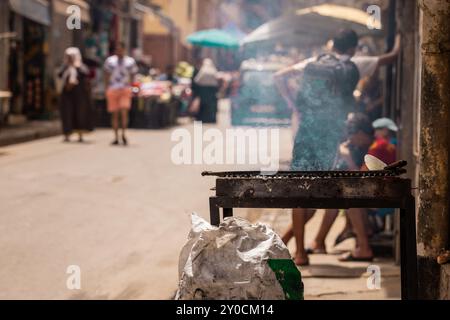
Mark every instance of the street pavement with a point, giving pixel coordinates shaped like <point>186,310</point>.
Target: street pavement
<point>122,215</point>
<point>326,278</point>
<point>29,131</point>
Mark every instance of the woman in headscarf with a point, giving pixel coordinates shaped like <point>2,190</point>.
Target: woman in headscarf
<point>75,102</point>
<point>206,88</point>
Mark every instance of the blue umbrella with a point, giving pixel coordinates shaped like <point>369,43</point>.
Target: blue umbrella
<point>213,38</point>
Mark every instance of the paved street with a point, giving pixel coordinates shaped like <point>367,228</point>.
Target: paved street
<point>122,215</point>
<point>326,278</point>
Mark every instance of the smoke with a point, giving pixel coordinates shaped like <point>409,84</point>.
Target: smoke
<point>258,101</point>
<point>250,14</point>
<point>323,113</point>
<point>319,135</point>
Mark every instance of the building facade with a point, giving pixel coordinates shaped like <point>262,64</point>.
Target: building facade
<point>34,35</point>
<point>422,108</point>
<point>170,22</point>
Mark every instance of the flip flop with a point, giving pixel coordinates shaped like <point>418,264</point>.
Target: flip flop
<point>351,258</point>
<point>315,251</point>
<point>344,236</point>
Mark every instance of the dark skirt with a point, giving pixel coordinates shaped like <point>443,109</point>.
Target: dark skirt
<point>208,104</point>
<point>76,109</point>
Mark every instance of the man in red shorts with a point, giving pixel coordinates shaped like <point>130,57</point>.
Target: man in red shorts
<point>120,70</point>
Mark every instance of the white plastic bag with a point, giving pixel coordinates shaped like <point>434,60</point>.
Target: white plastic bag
<point>231,262</point>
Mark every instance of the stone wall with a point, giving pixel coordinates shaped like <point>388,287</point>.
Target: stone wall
<point>433,219</point>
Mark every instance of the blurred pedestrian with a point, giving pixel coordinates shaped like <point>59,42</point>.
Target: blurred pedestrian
<point>324,101</point>
<point>120,71</point>
<point>351,155</point>
<point>363,138</point>
<point>371,99</point>
<point>385,151</point>
<point>206,88</point>
<point>75,102</point>
<point>386,129</point>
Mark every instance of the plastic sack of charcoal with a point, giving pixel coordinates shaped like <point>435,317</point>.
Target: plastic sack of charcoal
<point>236,261</point>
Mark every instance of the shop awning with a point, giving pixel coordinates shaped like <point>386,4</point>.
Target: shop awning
<point>36,10</point>
<point>60,7</point>
<point>312,26</point>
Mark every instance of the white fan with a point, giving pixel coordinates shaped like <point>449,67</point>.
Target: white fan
<point>374,164</point>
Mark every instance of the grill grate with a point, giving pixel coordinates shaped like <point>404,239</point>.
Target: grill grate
<point>325,190</point>
<point>394,170</point>
<point>304,174</point>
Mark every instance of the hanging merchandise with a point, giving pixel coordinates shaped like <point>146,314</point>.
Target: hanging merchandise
<point>34,68</point>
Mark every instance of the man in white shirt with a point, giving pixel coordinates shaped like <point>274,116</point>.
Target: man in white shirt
<point>119,75</point>
<point>345,45</point>
<point>367,66</point>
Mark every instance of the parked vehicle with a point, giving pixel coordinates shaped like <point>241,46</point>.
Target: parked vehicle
<point>255,99</point>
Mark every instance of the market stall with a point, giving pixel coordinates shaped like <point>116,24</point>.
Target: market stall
<point>154,106</point>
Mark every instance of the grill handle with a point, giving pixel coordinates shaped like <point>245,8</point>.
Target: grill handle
<point>397,165</point>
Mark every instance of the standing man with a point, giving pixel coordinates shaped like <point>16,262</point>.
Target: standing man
<point>324,97</point>
<point>120,70</point>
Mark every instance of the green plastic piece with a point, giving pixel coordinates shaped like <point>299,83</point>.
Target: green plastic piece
<point>289,278</point>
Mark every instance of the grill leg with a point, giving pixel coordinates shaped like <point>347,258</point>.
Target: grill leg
<point>227,212</point>
<point>409,250</point>
<point>214,212</point>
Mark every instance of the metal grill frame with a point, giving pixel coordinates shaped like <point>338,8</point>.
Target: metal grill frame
<point>403,200</point>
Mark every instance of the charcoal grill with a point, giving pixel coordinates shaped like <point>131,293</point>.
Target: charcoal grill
<point>326,190</point>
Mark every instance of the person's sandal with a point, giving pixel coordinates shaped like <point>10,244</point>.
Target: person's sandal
<point>115,143</point>
<point>344,236</point>
<point>125,141</point>
<point>351,258</point>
